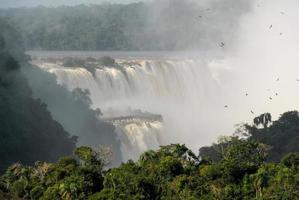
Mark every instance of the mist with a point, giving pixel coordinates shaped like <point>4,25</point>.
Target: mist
<point>195,25</point>
<point>264,60</point>
<point>258,59</point>
<point>231,48</point>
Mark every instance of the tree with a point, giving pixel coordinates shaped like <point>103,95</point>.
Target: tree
<point>242,157</point>
<point>291,160</point>
<point>264,119</point>
<point>27,130</point>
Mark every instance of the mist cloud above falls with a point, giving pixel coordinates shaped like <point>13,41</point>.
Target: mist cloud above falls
<point>260,56</point>
<point>264,61</point>
<point>195,25</point>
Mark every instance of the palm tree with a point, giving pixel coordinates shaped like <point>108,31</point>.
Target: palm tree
<point>264,119</point>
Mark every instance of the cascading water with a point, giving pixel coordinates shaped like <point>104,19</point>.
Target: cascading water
<point>182,91</point>
<point>138,135</point>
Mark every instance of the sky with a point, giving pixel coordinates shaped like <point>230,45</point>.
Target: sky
<point>32,3</point>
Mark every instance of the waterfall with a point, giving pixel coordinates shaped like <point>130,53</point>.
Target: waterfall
<point>182,91</point>
<point>138,137</point>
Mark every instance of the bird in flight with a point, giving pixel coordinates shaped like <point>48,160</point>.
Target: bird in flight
<point>222,44</point>
<point>277,79</point>
<point>252,112</point>
<point>270,98</point>
<point>297,80</point>
<point>282,13</point>
<point>226,106</point>
<point>270,26</point>
<point>276,94</point>
<point>246,94</point>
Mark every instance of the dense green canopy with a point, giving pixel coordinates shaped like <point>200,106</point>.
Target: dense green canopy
<point>280,136</point>
<point>172,172</point>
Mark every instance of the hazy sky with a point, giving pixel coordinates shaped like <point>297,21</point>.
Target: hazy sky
<point>31,3</point>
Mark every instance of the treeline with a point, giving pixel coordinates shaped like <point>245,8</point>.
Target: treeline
<point>280,136</point>
<point>172,172</point>
<point>160,25</point>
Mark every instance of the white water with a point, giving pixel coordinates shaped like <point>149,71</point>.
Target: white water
<point>185,92</point>
<point>136,138</point>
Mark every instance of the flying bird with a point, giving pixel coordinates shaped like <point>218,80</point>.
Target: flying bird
<point>277,79</point>
<point>252,112</point>
<point>282,13</point>
<point>246,94</point>
<point>226,106</point>
<point>270,98</point>
<point>222,44</point>
<point>297,80</point>
<point>280,33</point>
<point>270,26</point>
<point>276,94</point>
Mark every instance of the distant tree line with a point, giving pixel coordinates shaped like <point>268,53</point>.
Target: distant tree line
<point>161,25</point>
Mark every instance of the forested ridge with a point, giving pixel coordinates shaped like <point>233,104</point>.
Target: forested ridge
<point>152,26</point>
<point>27,130</point>
<point>39,119</point>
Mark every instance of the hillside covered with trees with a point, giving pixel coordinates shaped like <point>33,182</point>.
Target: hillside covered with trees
<point>159,25</point>
<point>27,130</point>
<point>280,136</point>
<point>41,120</point>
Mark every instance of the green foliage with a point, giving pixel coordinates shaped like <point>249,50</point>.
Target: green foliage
<point>263,119</point>
<point>242,157</point>
<point>67,179</point>
<point>172,172</point>
<point>279,137</point>
<point>291,160</point>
